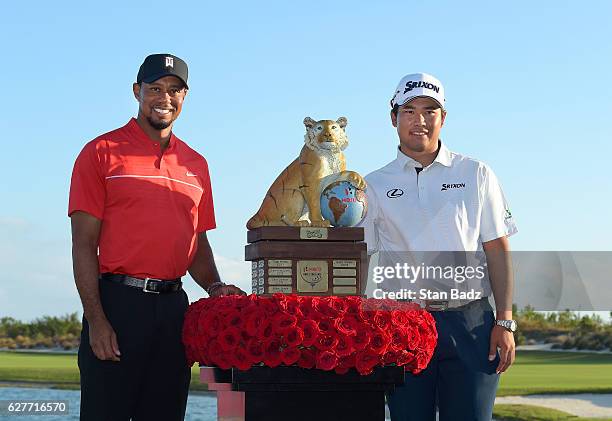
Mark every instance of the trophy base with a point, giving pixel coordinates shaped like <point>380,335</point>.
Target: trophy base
<point>307,261</point>
<point>293,393</point>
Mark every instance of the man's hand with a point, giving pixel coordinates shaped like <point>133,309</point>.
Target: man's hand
<point>504,340</point>
<point>226,290</point>
<point>103,340</point>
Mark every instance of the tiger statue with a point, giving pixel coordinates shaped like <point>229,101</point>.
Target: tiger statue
<point>294,197</point>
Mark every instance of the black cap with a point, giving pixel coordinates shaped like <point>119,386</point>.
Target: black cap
<point>157,66</point>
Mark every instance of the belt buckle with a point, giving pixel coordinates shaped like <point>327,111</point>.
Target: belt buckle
<point>146,282</point>
<point>437,305</point>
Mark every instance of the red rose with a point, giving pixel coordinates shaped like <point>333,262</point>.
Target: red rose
<point>390,357</point>
<point>326,342</point>
<point>255,349</point>
<point>272,353</point>
<point>361,338</point>
<point>282,322</point>
<point>294,336</point>
<point>294,307</point>
<point>241,359</point>
<point>326,360</point>
<point>345,346</point>
<point>339,305</point>
<point>210,324</point>
<point>311,332</point>
<point>307,358</point>
<point>234,319</point>
<point>291,356</point>
<point>399,318</point>
<point>404,357</point>
<point>346,325</point>
<point>265,330</point>
<point>229,338</point>
<point>345,364</point>
<point>398,338</point>
<point>379,342</point>
<point>365,362</point>
<point>254,322</point>
<point>326,326</point>
<point>382,319</point>
<point>412,338</point>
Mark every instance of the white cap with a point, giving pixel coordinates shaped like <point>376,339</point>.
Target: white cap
<point>418,85</point>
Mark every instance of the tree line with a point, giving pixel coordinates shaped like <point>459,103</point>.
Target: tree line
<point>43,332</point>
<point>565,329</point>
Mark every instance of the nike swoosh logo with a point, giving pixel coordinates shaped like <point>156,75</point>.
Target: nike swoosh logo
<point>190,174</point>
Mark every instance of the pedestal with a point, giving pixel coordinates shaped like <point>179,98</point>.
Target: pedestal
<point>296,394</point>
<point>307,261</point>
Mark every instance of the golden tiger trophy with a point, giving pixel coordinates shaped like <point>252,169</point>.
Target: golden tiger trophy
<point>293,246</point>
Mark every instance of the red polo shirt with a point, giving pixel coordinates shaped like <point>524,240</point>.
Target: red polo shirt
<point>152,204</point>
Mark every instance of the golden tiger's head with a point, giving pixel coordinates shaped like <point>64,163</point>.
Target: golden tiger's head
<point>326,134</point>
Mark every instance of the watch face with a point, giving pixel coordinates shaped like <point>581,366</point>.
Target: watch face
<point>513,325</point>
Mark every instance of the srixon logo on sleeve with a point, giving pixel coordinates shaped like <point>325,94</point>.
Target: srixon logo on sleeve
<point>410,85</point>
<point>452,186</point>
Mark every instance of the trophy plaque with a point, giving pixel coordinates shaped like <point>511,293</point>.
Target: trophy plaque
<point>307,260</point>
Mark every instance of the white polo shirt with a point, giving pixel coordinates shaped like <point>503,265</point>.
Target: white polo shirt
<point>454,204</point>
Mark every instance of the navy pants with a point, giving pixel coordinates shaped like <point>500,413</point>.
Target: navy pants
<point>151,381</point>
<point>460,380</point>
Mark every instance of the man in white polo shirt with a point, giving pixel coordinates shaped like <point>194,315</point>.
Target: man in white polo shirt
<point>430,199</point>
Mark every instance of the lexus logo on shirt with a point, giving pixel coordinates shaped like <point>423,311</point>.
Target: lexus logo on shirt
<point>394,193</point>
<point>452,186</point>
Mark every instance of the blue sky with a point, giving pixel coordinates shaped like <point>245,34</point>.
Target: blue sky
<point>527,84</point>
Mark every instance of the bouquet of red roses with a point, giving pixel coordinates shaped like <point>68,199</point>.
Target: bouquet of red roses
<point>328,333</point>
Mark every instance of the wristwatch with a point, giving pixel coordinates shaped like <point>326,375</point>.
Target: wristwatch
<point>509,325</point>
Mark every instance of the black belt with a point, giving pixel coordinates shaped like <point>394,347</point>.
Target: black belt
<point>155,286</point>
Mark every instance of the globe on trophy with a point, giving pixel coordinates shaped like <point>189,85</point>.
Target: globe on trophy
<point>343,204</point>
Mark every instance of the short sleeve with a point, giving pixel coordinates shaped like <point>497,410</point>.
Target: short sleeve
<point>370,221</point>
<point>87,186</point>
<point>206,211</point>
<point>496,220</point>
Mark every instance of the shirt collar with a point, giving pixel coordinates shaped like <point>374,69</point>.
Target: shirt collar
<point>140,136</point>
<point>444,157</point>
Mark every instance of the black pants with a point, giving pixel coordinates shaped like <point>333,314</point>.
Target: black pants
<point>152,379</point>
<point>460,375</point>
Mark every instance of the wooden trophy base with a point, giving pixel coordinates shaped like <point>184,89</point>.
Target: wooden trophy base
<point>307,261</point>
<point>296,394</point>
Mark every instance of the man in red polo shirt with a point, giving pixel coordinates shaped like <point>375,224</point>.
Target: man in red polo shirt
<point>140,206</point>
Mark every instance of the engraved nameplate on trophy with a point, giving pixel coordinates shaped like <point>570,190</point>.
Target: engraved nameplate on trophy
<point>345,290</point>
<point>345,272</point>
<point>279,271</point>
<point>281,289</point>
<point>345,281</point>
<point>345,263</point>
<point>281,281</point>
<point>277,263</point>
<point>311,233</point>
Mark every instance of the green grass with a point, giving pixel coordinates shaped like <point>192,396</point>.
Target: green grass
<point>533,372</point>
<point>557,372</point>
<point>535,413</point>
<point>58,371</point>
